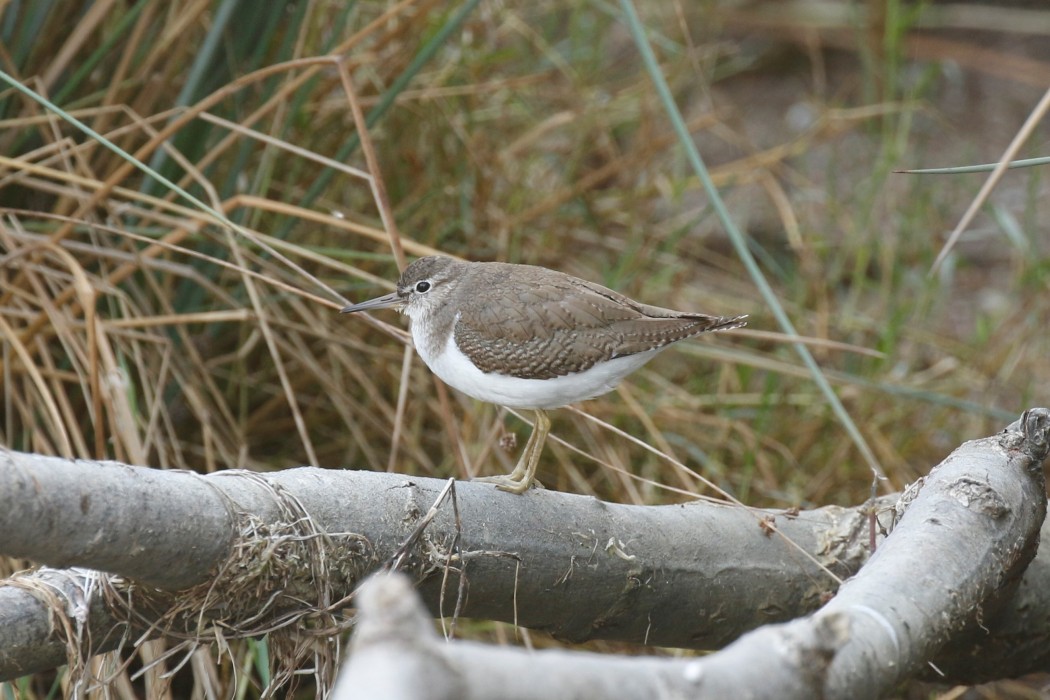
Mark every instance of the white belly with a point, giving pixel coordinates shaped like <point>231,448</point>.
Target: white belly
<point>453,367</point>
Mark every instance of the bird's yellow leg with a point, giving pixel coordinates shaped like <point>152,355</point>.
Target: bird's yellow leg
<point>524,475</point>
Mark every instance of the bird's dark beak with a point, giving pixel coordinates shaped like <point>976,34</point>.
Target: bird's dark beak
<point>384,302</point>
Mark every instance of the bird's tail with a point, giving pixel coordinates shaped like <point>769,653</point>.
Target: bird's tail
<point>725,323</point>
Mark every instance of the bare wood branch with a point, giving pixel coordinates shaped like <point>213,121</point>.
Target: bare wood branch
<point>966,533</point>
<point>396,655</point>
<point>694,576</point>
<point>574,566</point>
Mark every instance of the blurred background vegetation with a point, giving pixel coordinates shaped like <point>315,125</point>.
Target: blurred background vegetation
<point>135,326</point>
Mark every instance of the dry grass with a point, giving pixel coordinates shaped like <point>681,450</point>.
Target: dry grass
<point>137,326</point>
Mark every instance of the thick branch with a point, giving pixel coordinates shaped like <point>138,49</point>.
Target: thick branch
<point>396,655</point>
<point>687,575</point>
<point>693,575</point>
<point>967,532</point>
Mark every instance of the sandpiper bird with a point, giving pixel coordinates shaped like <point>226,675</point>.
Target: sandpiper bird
<point>526,337</point>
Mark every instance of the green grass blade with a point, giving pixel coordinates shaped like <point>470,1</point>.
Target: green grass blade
<point>87,130</point>
<point>637,30</point>
<point>983,168</point>
<point>386,100</point>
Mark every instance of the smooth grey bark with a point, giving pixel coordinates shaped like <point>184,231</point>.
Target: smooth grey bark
<point>695,575</point>
<point>33,639</point>
<point>1010,642</point>
<point>692,575</point>
<point>396,655</point>
<point>965,534</point>
<point>163,528</point>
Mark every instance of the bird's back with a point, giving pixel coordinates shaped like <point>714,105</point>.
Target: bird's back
<point>546,324</point>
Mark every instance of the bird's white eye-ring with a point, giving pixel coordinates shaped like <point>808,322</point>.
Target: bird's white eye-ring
<point>423,287</point>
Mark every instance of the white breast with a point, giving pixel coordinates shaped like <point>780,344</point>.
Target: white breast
<point>453,367</point>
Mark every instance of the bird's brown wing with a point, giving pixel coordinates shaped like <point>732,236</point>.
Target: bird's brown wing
<point>554,325</point>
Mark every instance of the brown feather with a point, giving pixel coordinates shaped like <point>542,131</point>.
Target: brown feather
<point>546,324</point>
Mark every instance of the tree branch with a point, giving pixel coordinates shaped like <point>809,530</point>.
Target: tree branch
<point>965,534</point>
<point>695,576</point>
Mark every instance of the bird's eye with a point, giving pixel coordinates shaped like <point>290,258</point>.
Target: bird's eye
<point>423,287</point>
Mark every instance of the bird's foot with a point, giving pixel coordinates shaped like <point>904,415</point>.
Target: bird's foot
<point>510,484</point>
